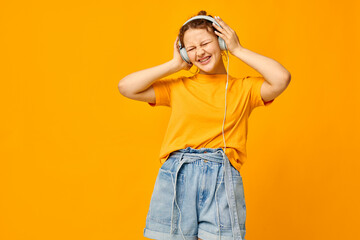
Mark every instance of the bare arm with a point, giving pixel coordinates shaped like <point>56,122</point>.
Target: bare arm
<point>277,78</point>
<point>140,81</point>
<point>271,70</point>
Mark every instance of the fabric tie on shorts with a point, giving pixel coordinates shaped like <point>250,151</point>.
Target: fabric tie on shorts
<point>187,156</point>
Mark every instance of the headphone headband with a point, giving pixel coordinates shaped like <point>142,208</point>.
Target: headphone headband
<point>200,17</point>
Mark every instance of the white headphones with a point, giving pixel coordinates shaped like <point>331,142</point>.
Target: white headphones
<point>221,41</point>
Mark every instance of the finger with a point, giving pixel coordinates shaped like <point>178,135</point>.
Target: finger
<point>219,29</point>
<point>176,44</point>
<point>216,26</point>
<point>222,24</point>
<point>221,32</point>
<point>220,35</point>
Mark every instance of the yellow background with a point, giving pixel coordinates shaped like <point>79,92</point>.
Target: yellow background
<point>79,160</point>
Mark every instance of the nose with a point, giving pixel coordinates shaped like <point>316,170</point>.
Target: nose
<point>200,52</point>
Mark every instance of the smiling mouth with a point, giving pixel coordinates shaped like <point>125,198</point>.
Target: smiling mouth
<point>205,60</point>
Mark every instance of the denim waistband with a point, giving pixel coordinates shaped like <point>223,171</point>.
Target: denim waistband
<point>188,155</point>
<point>211,154</point>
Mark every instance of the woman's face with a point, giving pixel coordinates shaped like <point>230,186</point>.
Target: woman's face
<point>200,45</point>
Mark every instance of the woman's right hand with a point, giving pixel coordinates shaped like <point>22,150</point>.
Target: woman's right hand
<point>177,59</point>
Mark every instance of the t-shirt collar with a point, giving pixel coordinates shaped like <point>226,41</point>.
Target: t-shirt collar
<point>208,78</point>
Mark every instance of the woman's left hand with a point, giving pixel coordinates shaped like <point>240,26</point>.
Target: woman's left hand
<point>228,34</point>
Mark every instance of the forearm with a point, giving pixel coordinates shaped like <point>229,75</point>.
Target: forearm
<point>271,70</point>
<point>141,80</point>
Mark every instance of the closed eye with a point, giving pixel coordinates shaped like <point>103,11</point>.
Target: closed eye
<point>202,45</point>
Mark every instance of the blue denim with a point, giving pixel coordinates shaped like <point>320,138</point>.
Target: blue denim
<point>197,194</point>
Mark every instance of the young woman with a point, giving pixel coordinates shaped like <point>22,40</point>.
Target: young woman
<point>198,192</point>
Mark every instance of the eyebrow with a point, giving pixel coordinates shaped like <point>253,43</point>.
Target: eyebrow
<point>200,43</point>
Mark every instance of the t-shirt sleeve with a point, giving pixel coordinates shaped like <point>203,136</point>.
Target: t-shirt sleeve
<point>162,88</point>
<point>255,92</point>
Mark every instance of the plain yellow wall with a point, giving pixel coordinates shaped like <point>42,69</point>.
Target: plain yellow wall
<point>79,160</point>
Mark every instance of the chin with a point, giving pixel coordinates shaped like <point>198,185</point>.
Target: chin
<point>208,68</point>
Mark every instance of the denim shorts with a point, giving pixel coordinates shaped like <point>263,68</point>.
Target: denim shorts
<point>197,194</point>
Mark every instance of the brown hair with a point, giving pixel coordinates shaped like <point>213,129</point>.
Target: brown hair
<point>199,24</point>
<point>196,24</point>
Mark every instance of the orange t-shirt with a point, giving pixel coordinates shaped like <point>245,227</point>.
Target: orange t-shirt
<point>197,112</point>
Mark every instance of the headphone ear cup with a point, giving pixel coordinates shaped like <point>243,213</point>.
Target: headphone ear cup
<point>184,55</point>
<point>222,43</point>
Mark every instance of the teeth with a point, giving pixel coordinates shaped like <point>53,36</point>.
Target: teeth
<point>204,59</point>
